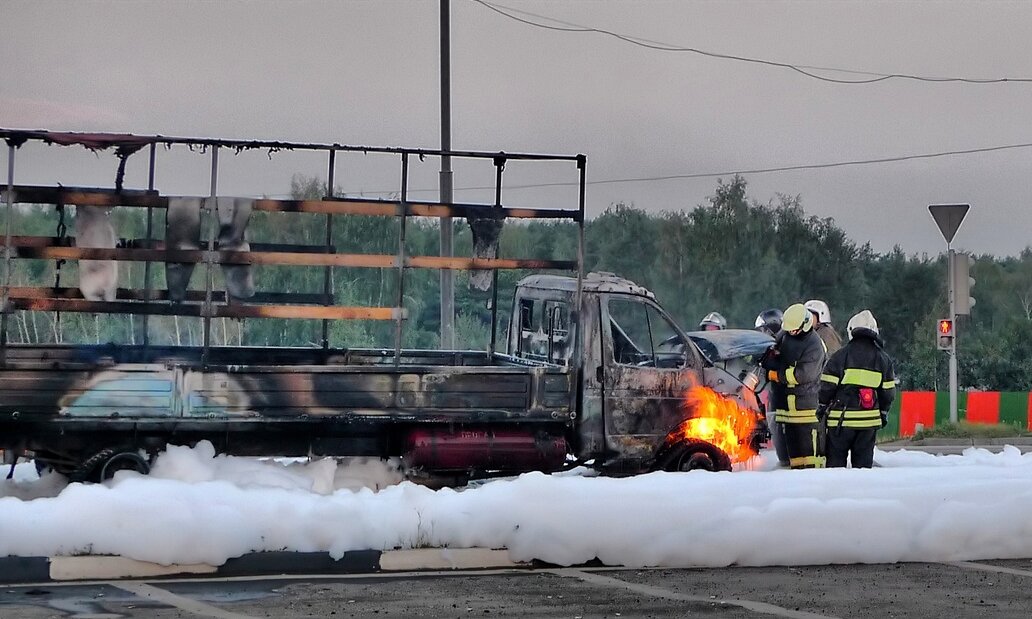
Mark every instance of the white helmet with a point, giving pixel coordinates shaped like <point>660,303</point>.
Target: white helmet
<point>821,309</point>
<point>713,321</point>
<point>863,320</point>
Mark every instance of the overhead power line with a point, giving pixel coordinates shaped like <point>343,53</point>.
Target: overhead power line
<point>806,70</point>
<point>743,171</point>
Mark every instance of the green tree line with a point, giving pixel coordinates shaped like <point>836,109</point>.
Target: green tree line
<point>733,254</point>
<point>739,256</point>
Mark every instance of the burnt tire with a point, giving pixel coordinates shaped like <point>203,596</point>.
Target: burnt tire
<point>124,461</point>
<point>103,464</point>
<point>693,455</point>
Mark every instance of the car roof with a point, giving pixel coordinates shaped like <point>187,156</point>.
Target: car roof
<point>596,281</point>
<point>730,343</point>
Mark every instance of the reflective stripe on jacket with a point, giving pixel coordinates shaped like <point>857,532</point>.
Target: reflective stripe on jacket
<point>798,366</point>
<point>858,383</point>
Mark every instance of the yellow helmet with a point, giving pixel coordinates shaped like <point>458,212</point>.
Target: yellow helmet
<point>797,317</point>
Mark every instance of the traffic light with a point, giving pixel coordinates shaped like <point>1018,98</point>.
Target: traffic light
<point>962,282</point>
<point>944,334</point>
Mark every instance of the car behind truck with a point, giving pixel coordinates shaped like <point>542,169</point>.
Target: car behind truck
<point>592,370</point>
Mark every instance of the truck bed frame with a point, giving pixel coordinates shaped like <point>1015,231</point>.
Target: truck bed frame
<point>64,402</point>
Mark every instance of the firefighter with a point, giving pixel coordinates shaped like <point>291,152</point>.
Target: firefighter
<point>857,389</point>
<point>713,322</point>
<point>794,368</point>
<point>769,321</point>
<point>823,327</point>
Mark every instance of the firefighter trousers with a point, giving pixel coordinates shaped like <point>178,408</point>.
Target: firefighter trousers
<point>801,444</point>
<point>858,443</point>
<point>777,437</point>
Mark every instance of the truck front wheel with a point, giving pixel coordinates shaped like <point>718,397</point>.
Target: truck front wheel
<point>693,455</point>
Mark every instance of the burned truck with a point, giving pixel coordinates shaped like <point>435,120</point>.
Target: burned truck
<point>592,371</point>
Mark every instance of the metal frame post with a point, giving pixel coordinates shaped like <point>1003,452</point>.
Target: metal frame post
<point>499,163</point>
<point>579,301</point>
<point>7,256</point>
<point>150,243</point>
<point>328,271</point>
<point>209,257</point>
<point>403,214</point>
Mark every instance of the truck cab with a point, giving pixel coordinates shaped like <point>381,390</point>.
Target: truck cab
<point>635,367</point>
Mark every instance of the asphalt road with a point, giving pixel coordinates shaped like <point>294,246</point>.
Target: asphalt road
<point>984,589</point>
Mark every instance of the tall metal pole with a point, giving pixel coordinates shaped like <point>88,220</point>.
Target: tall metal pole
<point>949,217</point>
<point>953,344</point>
<point>447,276</point>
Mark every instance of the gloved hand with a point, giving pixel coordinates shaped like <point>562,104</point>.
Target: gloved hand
<point>768,357</point>
<point>772,376</point>
<point>884,418</point>
<point>822,411</point>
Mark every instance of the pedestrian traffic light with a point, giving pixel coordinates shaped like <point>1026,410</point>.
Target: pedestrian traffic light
<point>962,283</point>
<point>944,334</point>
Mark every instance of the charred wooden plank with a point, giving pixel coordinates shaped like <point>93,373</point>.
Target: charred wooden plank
<point>32,250</point>
<point>87,197</point>
<point>293,311</point>
<point>130,294</point>
<point>460,263</point>
<point>333,206</point>
<point>219,311</point>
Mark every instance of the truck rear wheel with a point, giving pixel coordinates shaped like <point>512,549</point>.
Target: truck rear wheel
<point>103,465</point>
<point>124,461</point>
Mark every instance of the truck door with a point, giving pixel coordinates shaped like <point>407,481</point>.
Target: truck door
<point>648,368</point>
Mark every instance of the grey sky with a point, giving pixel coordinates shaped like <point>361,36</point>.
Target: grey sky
<point>367,73</point>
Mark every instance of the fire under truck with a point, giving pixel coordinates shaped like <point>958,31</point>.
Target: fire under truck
<point>591,371</point>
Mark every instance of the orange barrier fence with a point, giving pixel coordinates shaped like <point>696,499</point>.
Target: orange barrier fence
<point>929,408</point>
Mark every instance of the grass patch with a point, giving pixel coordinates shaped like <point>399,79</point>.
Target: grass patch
<point>964,429</point>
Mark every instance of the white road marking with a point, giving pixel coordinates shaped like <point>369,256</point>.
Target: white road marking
<point>444,558</point>
<point>758,607</point>
<point>276,577</point>
<point>970,565</point>
<point>196,607</point>
<point>110,568</point>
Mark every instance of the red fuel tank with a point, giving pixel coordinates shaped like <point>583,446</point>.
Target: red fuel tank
<point>484,450</point>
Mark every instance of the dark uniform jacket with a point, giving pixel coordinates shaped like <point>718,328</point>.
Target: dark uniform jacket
<point>798,364</point>
<point>858,383</point>
<point>832,340</point>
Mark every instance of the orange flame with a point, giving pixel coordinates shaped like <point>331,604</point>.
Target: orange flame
<point>719,420</point>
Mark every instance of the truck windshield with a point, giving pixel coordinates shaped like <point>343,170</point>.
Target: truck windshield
<point>642,336</point>
<point>546,332</point>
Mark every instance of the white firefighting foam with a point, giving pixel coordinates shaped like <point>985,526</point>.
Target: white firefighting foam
<point>200,508</point>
